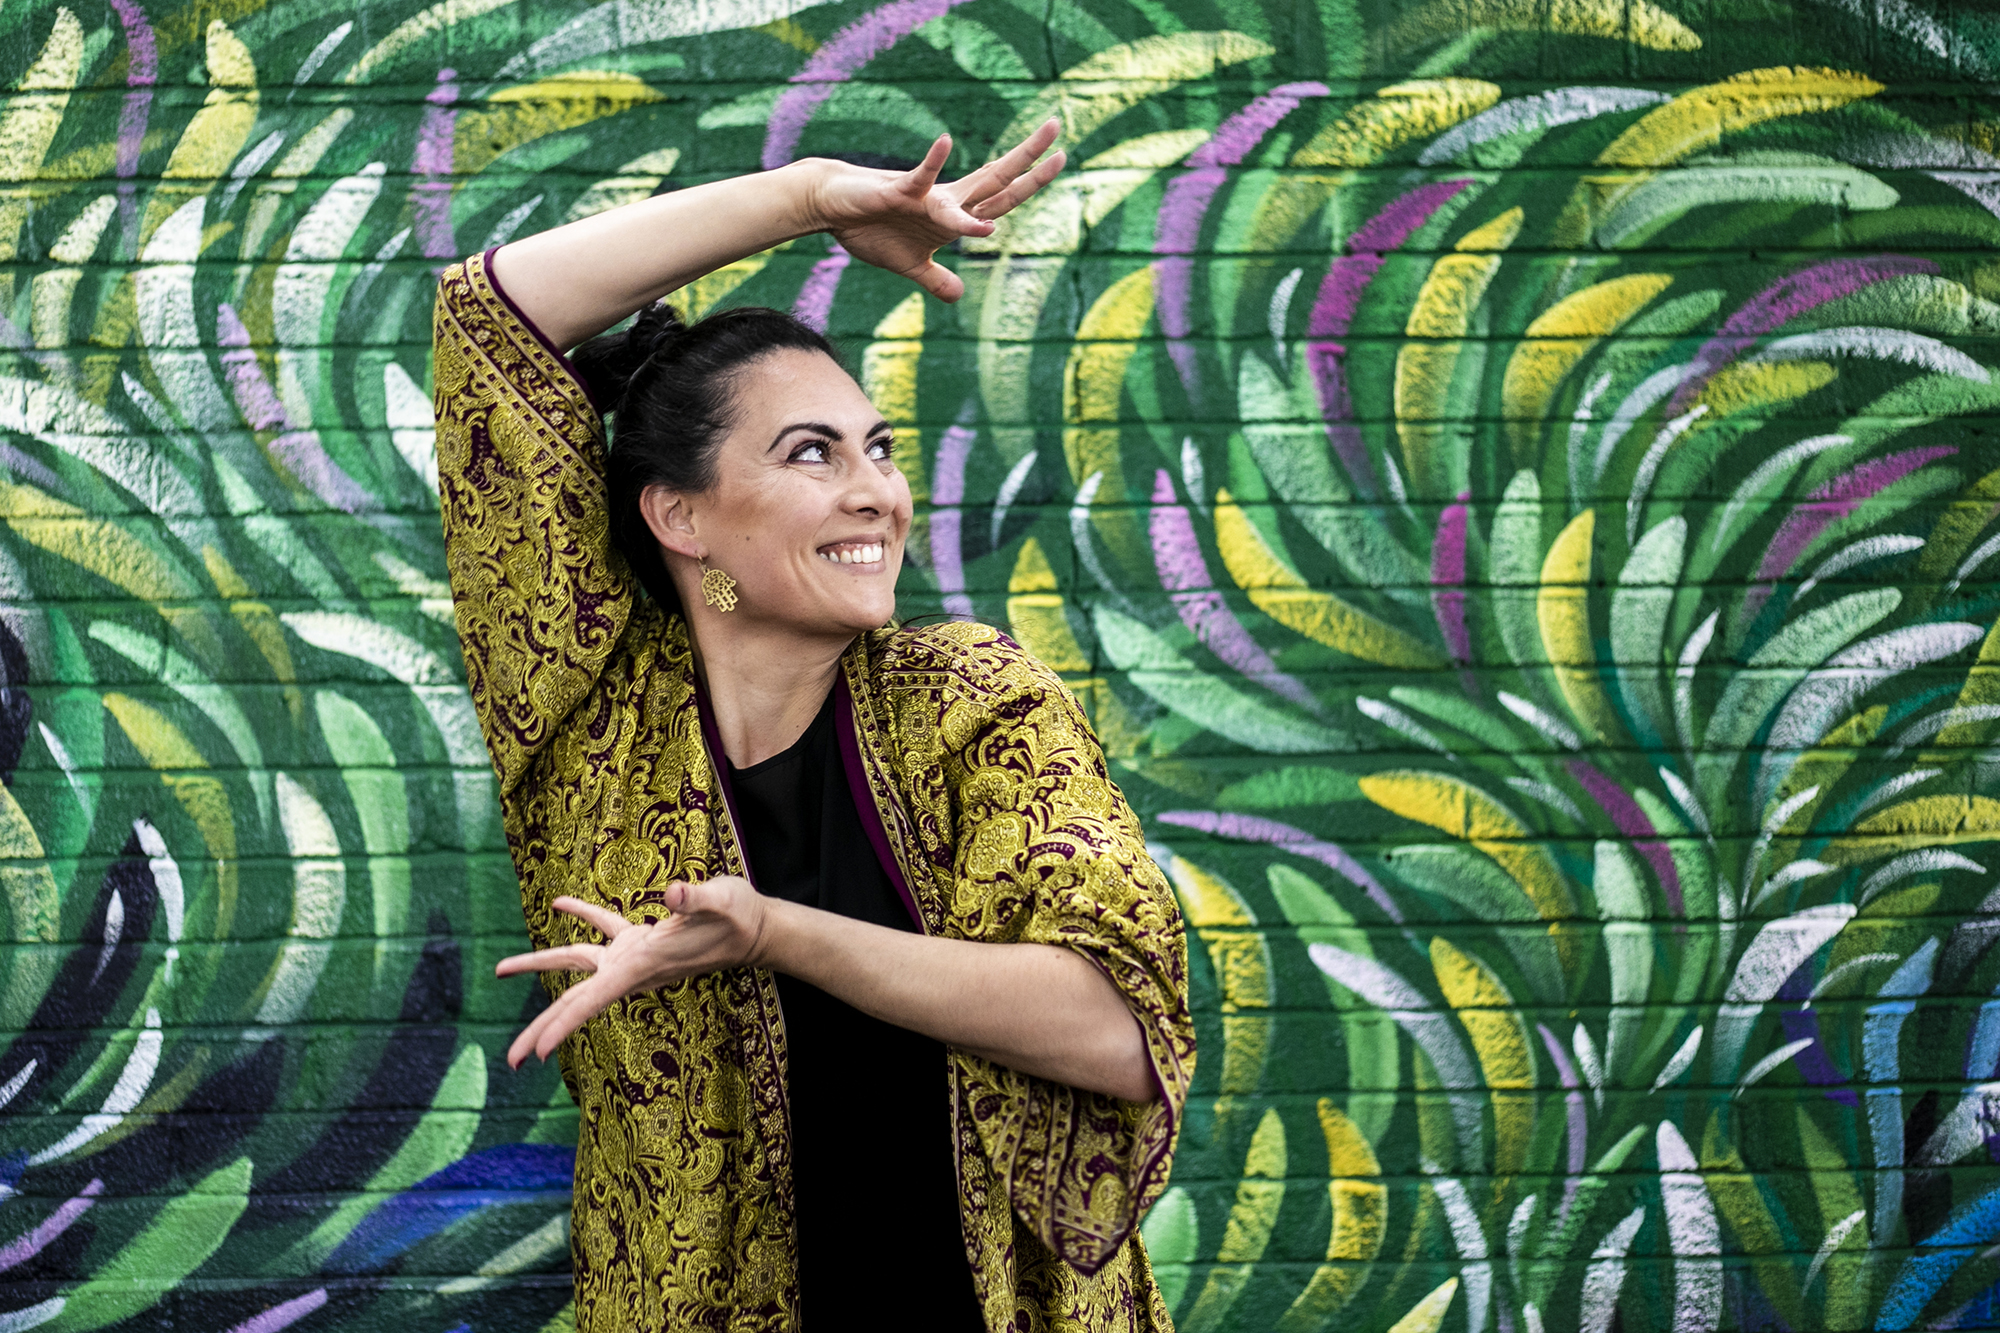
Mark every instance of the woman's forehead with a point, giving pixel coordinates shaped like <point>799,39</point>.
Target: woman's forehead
<point>790,383</point>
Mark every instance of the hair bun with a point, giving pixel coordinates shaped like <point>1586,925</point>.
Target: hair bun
<point>656,327</point>
<point>608,363</point>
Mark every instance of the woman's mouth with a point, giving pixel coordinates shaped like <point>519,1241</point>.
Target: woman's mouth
<point>852,553</point>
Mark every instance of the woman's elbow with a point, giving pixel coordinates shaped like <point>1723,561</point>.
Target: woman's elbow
<point>1130,1070</point>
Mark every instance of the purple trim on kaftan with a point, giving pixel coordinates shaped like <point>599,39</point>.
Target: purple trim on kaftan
<point>864,799</point>
<point>493,281</point>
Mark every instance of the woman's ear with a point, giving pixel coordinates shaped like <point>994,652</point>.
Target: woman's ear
<point>672,525</point>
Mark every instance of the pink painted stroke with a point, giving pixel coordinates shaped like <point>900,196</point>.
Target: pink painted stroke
<point>1836,500</point>
<point>1333,312</point>
<point>1186,204</point>
<point>1579,1128</point>
<point>837,60</point>
<point>34,1242</point>
<point>1781,302</point>
<point>1631,821</point>
<point>1448,580</point>
<point>1184,574</point>
<point>815,304</point>
<point>948,493</point>
<point>283,1316</point>
<point>430,198</point>
<point>299,451</point>
<point>1255,828</point>
<point>142,68</point>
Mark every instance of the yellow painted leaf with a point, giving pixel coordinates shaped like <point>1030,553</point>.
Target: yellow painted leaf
<point>217,133</point>
<point>1093,385</point>
<point>1560,337</point>
<point>163,744</point>
<point>889,378</point>
<point>1396,115</point>
<point>1247,1233</point>
<point>1035,612</point>
<point>1956,528</point>
<point>1636,21</point>
<point>1278,591</point>
<point>530,111</point>
<point>1562,609</point>
<point>34,904</point>
<point>1443,309</point>
<point>1427,1316</point>
<point>1982,687</point>
<point>1461,810</point>
<point>1206,900</point>
<point>1499,1040</point>
<point>1698,119</point>
<point>98,545</point>
<point>1927,821</point>
<point>1089,93</point>
<point>1752,386</point>
<point>33,115</point>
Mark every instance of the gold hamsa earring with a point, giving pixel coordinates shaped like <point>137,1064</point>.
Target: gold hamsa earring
<point>717,588</point>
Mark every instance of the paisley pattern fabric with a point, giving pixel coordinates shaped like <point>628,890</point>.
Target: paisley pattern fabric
<point>997,808</point>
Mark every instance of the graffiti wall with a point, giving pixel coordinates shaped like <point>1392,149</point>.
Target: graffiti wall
<point>1514,483</point>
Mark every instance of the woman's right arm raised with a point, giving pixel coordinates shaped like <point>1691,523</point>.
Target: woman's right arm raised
<point>576,281</point>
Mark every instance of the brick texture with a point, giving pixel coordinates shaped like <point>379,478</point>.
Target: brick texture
<point>1515,483</point>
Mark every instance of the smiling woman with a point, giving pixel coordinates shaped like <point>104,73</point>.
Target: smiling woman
<point>873,1001</point>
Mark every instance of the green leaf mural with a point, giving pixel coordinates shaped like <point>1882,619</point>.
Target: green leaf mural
<point>1516,487</point>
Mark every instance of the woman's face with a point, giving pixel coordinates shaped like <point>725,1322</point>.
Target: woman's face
<point>808,512</point>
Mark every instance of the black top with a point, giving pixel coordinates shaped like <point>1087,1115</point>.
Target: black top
<point>879,1235</point>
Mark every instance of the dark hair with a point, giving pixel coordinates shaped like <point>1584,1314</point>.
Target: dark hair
<point>668,390</point>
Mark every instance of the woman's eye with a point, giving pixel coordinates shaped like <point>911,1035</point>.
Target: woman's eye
<point>882,449</point>
<point>811,453</point>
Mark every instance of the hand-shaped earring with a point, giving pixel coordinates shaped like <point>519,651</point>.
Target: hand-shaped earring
<point>717,588</point>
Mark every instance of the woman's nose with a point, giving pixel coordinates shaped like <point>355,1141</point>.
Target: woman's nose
<point>870,490</point>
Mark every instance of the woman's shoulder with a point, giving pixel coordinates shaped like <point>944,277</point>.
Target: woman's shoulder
<point>966,656</point>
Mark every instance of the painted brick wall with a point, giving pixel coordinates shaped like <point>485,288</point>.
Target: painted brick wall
<point>1513,482</point>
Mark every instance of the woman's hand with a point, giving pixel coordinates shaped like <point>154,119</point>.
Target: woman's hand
<point>898,221</point>
<point>716,924</point>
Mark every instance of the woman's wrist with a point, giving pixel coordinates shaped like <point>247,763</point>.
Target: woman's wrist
<point>777,935</point>
<point>805,184</point>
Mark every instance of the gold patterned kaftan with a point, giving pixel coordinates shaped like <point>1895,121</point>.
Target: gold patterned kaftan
<point>997,809</point>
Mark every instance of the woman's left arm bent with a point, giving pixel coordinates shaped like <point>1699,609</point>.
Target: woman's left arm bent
<point>1040,1009</point>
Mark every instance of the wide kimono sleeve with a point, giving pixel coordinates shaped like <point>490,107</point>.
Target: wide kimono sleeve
<point>541,598</point>
<point>1048,852</point>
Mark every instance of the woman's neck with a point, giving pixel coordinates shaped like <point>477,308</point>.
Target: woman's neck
<point>765,690</point>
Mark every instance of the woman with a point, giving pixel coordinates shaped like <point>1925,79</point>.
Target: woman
<point>928,1070</point>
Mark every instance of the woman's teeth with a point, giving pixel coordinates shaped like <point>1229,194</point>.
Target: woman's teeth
<point>854,555</point>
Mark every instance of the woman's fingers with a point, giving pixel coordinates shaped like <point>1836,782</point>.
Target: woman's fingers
<point>1020,190</point>
<point>571,1010</point>
<point>939,281</point>
<point>919,179</point>
<point>567,958</point>
<point>607,923</point>
<point>998,174</point>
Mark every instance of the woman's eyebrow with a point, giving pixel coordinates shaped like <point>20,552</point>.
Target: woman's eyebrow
<point>816,427</point>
